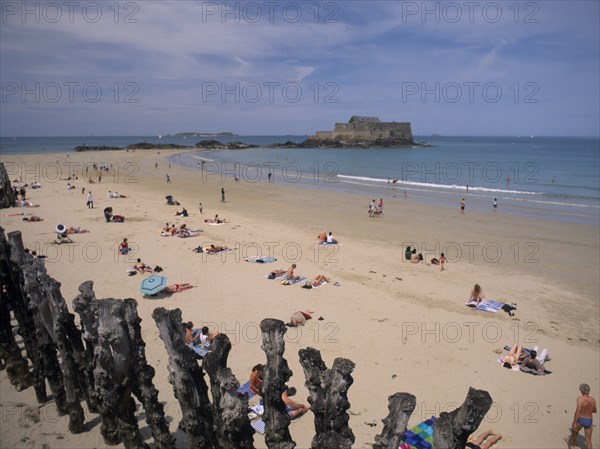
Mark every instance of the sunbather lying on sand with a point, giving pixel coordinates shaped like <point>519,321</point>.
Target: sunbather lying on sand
<point>215,248</point>
<point>76,230</point>
<point>141,267</point>
<point>513,357</point>
<point>277,273</point>
<point>319,280</point>
<point>28,204</point>
<point>299,318</point>
<point>215,220</point>
<point>484,440</point>
<point>175,288</point>
<point>33,218</point>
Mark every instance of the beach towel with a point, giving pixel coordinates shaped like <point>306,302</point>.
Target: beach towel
<point>419,437</point>
<point>259,426</point>
<point>260,259</point>
<point>292,281</point>
<point>486,305</point>
<point>246,389</point>
<point>214,224</point>
<point>534,371</point>
<point>198,350</point>
<point>327,243</point>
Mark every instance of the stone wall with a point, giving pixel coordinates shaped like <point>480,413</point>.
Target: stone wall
<point>368,131</point>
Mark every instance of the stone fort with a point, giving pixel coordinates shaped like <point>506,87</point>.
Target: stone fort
<point>367,128</point>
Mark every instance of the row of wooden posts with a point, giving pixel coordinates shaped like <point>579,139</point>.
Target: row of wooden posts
<point>101,360</point>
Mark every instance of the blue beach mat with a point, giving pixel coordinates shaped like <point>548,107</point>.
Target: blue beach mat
<point>420,436</point>
<point>293,281</point>
<point>486,305</point>
<point>261,259</point>
<point>199,350</point>
<point>246,389</point>
<point>259,426</point>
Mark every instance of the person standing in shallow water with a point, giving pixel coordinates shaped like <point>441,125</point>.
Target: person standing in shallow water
<point>222,194</point>
<point>462,206</point>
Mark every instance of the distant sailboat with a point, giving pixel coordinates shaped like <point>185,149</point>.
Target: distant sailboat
<point>160,136</point>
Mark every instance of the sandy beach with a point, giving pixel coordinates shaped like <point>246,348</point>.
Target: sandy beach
<point>404,325</point>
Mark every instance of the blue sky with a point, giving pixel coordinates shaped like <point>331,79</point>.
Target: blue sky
<point>143,68</point>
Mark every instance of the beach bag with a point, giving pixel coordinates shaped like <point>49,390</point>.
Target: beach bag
<point>118,218</point>
<point>434,261</point>
<point>272,276</point>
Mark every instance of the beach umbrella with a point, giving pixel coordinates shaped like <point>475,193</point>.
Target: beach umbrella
<point>153,284</point>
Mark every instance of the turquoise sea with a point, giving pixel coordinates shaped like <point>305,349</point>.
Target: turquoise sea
<point>548,177</point>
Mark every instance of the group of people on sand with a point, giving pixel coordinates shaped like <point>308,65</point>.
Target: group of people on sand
<point>288,275</point>
<point>199,337</point>
<point>326,238</point>
<point>376,209</point>
<point>178,231</point>
<point>111,195</point>
<point>411,255</point>
<point>518,357</point>
<point>293,409</point>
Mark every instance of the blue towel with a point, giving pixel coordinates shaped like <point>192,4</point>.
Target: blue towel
<point>246,389</point>
<point>199,350</point>
<point>259,425</point>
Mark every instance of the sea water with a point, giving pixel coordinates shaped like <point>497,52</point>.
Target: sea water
<point>549,177</point>
<point>555,178</point>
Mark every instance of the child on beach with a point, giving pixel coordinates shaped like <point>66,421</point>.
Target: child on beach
<point>124,247</point>
<point>442,261</point>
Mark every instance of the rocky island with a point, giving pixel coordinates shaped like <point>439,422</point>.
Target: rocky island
<point>359,132</point>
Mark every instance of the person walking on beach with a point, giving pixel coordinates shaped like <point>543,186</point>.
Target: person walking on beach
<point>462,206</point>
<point>443,261</point>
<point>270,176</point>
<point>380,205</point>
<point>586,405</point>
<point>200,207</point>
<point>495,204</point>
<point>90,200</point>
<point>222,194</point>
<point>168,179</point>
<point>405,195</point>
<point>507,181</point>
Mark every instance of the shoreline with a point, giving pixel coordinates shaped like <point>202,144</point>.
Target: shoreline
<point>315,176</point>
<point>385,325</point>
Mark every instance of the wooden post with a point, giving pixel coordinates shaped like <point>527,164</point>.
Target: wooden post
<point>7,198</point>
<point>400,406</point>
<point>451,430</point>
<point>328,390</point>
<point>275,375</point>
<point>188,381</point>
<point>143,373</point>
<point>232,425</point>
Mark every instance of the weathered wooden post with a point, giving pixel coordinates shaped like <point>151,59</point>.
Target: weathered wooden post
<point>328,397</point>
<point>275,375</point>
<point>451,430</point>
<point>232,425</point>
<point>7,198</point>
<point>400,406</point>
<point>187,378</point>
